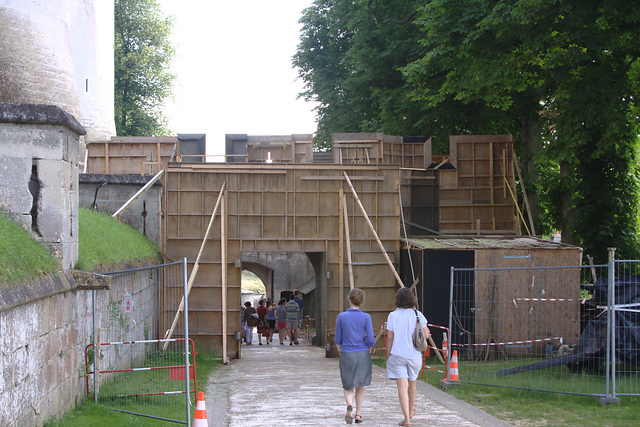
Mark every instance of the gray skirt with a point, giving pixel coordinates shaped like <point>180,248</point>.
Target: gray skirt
<point>355,369</point>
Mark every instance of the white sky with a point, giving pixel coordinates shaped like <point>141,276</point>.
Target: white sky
<point>234,72</point>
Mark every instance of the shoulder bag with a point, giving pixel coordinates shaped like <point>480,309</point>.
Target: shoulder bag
<point>419,339</point>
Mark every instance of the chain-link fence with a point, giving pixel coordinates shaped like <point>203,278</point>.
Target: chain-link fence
<point>131,365</point>
<point>623,299</point>
<point>529,328</point>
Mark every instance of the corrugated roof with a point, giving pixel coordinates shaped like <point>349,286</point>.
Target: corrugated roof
<point>485,242</point>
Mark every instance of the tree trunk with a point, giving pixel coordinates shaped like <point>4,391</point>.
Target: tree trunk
<point>531,145</point>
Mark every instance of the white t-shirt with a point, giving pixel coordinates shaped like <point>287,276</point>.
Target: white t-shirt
<point>402,322</point>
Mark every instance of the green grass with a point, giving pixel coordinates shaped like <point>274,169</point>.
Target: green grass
<point>531,408</point>
<point>21,257</point>
<point>98,414</point>
<point>252,282</point>
<point>104,240</point>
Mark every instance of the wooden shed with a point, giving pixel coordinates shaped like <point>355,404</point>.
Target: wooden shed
<point>515,294</point>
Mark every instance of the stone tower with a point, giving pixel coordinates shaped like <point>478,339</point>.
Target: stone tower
<point>60,52</point>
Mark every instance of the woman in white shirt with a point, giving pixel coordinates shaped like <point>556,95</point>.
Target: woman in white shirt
<point>404,361</point>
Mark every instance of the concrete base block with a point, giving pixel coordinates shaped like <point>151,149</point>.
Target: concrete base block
<point>444,384</point>
<point>608,400</point>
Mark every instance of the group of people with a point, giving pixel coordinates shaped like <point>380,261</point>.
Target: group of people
<point>285,318</point>
<point>354,338</point>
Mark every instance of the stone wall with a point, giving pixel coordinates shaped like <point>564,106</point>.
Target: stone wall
<point>39,174</point>
<point>44,328</point>
<point>144,214</point>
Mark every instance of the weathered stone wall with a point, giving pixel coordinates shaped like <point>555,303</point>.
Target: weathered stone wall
<point>144,214</point>
<point>39,174</point>
<point>44,328</point>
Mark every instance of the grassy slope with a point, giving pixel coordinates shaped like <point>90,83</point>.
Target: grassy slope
<point>103,240</point>
<point>21,257</point>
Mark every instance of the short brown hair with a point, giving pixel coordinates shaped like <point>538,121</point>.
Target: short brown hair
<point>356,296</point>
<point>405,298</point>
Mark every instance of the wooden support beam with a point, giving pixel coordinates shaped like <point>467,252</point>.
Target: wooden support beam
<point>373,230</point>
<point>196,266</point>
<point>524,194</point>
<point>515,201</point>
<point>433,344</point>
<point>341,178</point>
<point>223,262</point>
<point>138,194</point>
<point>348,237</point>
<point>441,163</point>
<point>341,249</point>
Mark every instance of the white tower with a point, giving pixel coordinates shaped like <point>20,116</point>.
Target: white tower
<point>60,52</point>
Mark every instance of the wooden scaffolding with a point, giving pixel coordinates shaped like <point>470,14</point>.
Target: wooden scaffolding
<point>296,208</point>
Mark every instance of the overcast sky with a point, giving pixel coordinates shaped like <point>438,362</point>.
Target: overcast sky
<point>234,72</point>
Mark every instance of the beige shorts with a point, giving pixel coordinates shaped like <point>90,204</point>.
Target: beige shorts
<point>292,324</point>
<point>399,367</point>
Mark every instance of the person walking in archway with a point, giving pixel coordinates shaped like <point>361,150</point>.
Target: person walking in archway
<point>250,319</point>
<point>262,321</point>
<point>293,319</point>
<point>404,361</point>
<point>354,339</point>
<point>271,318</point>
<point>281,319</point>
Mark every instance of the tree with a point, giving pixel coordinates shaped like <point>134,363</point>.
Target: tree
<point>561,76</point>
<point>351,57</point>
<point>143,53</point>
<point>565,65</point>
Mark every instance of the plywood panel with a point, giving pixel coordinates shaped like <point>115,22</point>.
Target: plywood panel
<point>274,227</point>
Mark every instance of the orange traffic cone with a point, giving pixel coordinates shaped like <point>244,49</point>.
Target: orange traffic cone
<point>453,367</point>
<point>200,418</point>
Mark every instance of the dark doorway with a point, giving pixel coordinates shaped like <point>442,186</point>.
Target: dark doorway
<point>433,267</point>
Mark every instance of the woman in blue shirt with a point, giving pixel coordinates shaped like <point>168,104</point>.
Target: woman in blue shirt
<point>354,338</point>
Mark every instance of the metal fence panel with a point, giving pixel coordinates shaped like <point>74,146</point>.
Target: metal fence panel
<point>625,336</point>
<point>138,371</point>
<point>521,328</point>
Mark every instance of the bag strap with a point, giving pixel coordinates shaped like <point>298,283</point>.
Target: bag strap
<point>419,324</point>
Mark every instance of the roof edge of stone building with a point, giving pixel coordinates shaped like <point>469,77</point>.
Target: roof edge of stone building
<point>39,114</point>
<point>97,178</point>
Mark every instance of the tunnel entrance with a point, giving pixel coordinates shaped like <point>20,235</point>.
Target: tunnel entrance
<point>283,272</point>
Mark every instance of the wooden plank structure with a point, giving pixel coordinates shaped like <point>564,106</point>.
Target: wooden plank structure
<point>476,194</point>
<point>282,207</point>
<point>131,155</point>
<point>280,149</point>
<point>277,199</point>
<point>378,148</point>
<point>489,294</point>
